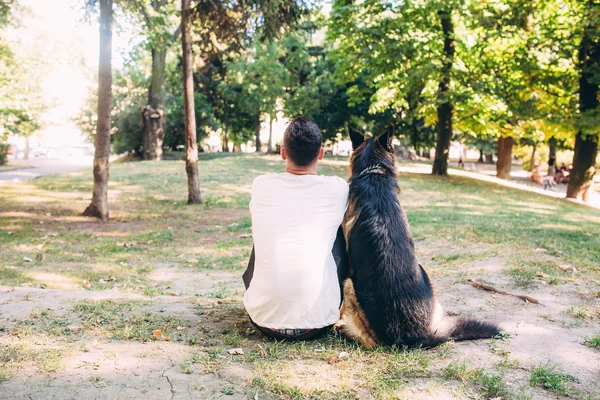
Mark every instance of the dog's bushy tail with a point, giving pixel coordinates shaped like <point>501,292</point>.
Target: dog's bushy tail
<point>462,328</point>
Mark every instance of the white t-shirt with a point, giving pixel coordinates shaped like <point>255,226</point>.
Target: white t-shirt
<point>295,219</point>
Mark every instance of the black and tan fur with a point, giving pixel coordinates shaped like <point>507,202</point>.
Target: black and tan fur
<point>389,298</point>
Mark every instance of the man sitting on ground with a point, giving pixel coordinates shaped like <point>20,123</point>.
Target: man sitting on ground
<point>292,283</point>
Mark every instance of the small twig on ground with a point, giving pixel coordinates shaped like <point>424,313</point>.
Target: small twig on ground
<point>489,288</point>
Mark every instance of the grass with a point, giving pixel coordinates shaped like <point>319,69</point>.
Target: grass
<point>551,379</point>
<point>487,383</point>
<point>14,358</point>
<point>125,320</point>
<point>455,222</point>
<point>527,271</point>
<point>592,342</point>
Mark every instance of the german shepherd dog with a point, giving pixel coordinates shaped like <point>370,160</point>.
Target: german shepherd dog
<point>389,298</point>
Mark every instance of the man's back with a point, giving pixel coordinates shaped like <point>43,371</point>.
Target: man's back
<point>294,223</point>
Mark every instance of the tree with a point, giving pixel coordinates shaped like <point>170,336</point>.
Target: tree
<point>157,18</point>
<point>586,141</point>
<point>99,205</point>
<point>406,53</point>
<point>445,107</point>
<point>21,75</point>
<point>261,78</point>
<point>191,146</point>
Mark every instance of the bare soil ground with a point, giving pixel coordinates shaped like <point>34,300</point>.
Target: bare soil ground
<point>77,322</point>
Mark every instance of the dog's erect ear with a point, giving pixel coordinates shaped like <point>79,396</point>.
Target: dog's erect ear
<point>356,137</point>
<point>385,139</point>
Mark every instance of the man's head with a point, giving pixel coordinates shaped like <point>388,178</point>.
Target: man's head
<point>302,142</point>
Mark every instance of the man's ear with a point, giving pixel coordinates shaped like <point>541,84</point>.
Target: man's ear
<point>356,137</point>
<point>385,139</point>
<point>283,153</point>
<point>321,154</point>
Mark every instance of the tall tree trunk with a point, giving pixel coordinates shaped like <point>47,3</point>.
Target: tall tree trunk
<point>505,145</point>
<point>270,143</point>
<point>225,141</point>
<point>445,108</point>
<point>191,145</point>
<point>533,154</point>
<point>153,115</point>
<point>489,158</point>
<point>552,146</point>
<point>586,145</point>
<point>257,133</point>
<point>99,205</point>
<point>480,156</point>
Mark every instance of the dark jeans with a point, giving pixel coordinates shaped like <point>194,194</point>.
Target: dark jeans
<point>341,261</point>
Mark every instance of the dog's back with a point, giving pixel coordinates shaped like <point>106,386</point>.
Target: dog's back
<point>391,289</point>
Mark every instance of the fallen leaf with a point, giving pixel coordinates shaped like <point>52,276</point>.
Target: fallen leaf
<point>180,328</point>
<point>27,259</point>
<point>173,294</point>
<point>159,336</point>
<point>86,283</point>
<point>237,351</point>
<point>334,361</point>
<point>39,257</point>
<point>261,350</point>
<point>567,268</point>
<point>541,275</point>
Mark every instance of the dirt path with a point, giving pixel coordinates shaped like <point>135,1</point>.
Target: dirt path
<point>37,167</point>
<point>95,367</point>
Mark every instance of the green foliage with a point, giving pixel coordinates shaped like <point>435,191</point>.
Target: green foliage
<point>21,100</point>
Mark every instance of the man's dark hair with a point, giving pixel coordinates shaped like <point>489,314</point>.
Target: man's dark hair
<point>302,141</point>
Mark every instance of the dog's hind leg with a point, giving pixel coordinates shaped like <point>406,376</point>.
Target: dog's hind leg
<point>353,323</point>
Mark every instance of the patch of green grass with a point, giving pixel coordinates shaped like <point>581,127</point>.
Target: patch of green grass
<point>234,339</point>
<point>583,312</point>
<point>491,385</point>
<point>244,225</point>
<point>13,276</point>
<point>456,370</point>
<point>125,320</point>
<point>187,366</point>
<point>592,341</point>
<point>16,357</point>
<point>551,379</point>
<point>527,271</point>
<point>44,322</point>
<point>313,369</point>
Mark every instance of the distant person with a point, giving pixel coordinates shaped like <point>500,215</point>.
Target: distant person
<point>461,162</point>
<point>292,284</point>
<point>552,170</point>
<point>535,176</point>
<point>562,176</point>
